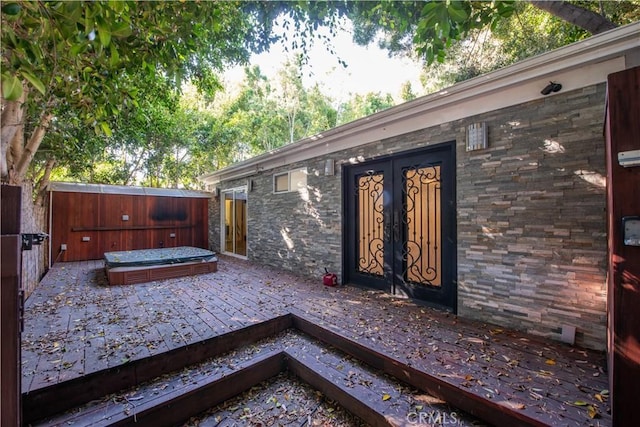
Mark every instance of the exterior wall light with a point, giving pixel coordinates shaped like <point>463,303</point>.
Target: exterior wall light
<point>551,87</point>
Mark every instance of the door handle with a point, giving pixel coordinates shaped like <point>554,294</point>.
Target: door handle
<point>387,227</point>
<point>396,226</point>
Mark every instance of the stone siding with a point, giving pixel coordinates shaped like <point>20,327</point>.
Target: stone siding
<point>531,241</point>
<point>214,224</point>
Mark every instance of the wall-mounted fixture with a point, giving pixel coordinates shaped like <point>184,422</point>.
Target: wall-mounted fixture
<point>86,238</point>
<point>125,217</point>
<point>568,334</point>
<point>551,87</point>
<point>329,167</point>
<point>477,136</point>
<point>172,235</point>
<point>250,185</point>
<point>631,230</point>
<point>30,239</point>
<point>216,191</point>
<point>628,159</point>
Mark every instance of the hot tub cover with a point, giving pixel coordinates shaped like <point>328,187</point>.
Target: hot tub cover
<point>161,256</point>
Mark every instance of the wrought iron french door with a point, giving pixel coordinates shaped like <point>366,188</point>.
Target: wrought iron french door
<point>400,225</point>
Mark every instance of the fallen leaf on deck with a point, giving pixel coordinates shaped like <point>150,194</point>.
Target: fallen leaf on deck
<point>550,362</point>
<point>580,403</point>
<point>592,412</point>
<point>386,397</point>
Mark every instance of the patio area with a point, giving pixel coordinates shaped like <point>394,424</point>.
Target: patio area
<point>76,325</point>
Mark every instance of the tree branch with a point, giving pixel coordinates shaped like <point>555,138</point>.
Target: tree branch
<point>44,181</point>
<point>576,15</point>
<point>32,146</point>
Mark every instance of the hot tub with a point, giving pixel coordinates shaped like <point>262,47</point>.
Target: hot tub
<point>145,265</point>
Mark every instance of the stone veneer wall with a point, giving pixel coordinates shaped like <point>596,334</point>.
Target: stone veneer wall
<point>214,224</point>
<point>532,245</point>
<point>530,215</point>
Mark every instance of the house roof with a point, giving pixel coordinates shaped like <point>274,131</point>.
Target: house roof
<point>76,187</point>
<point>595,58</point>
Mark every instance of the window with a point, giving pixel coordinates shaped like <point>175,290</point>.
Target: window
<point>290,181</point>
<point>281,183</point>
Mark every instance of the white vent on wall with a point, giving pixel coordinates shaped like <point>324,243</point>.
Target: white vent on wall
<point>477,136</point>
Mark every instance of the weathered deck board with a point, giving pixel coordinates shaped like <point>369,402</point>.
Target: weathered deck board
<point>130,322</point>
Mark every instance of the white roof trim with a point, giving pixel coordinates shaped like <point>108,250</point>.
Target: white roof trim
<point>595,58</point>
<point>76,187</point>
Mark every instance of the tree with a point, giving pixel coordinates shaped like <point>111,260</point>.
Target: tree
<point>407,93</point>
<point>364,105</point>
<point>78,54</point>
<point>307,112</point>
<point>428,30</point>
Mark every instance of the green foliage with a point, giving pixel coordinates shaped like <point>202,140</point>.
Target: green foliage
<point>364,105</point>
<point>167,140</point>
<point>90,63</point>
<point>429,29</point>
<point>111,72</point>
<point>407,93</point>
<point>79,52</point>
<point>425,29</point>
<point>531,31</point>
<point>527,32</point>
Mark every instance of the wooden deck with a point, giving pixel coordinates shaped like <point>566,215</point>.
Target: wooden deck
<point>76,325</point>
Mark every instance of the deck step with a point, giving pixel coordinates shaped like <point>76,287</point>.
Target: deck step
<point>371,396</point>
<point>47,401</point>
<point>377,388</point>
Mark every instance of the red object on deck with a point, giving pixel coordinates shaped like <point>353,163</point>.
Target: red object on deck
<point>329,279</point>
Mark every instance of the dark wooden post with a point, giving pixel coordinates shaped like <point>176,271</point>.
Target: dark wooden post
<point>10,304</point>
<point>622,130</point>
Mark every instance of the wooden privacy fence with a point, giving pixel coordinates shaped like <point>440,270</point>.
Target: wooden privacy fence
<point>85,225</point>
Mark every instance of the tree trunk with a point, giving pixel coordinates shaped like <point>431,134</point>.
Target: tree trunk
<point>576,15</point>
<point>12,115</point>
<point>32,146</point>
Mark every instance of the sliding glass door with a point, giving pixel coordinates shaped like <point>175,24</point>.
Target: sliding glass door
<point>234,221</point>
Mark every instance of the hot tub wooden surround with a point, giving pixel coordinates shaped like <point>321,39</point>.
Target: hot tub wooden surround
<point>146,265</point>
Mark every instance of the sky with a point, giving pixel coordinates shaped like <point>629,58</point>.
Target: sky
<point>369,69</point>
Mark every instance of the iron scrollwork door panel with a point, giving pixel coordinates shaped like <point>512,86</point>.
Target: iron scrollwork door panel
<point>424,261</point>
<point>368,254</point>
<point>370,224</point>
<point>422,221</point>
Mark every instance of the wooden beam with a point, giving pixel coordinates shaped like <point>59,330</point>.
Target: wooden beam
<point>10,304</point>
<point>472,403</point>
<point>178,407</point>
<point>57,398</point>
<point>312,372</point>
<point>10,366</point>
<point>622,133</point>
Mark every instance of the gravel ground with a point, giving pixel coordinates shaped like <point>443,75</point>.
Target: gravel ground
<point>283,401</point>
